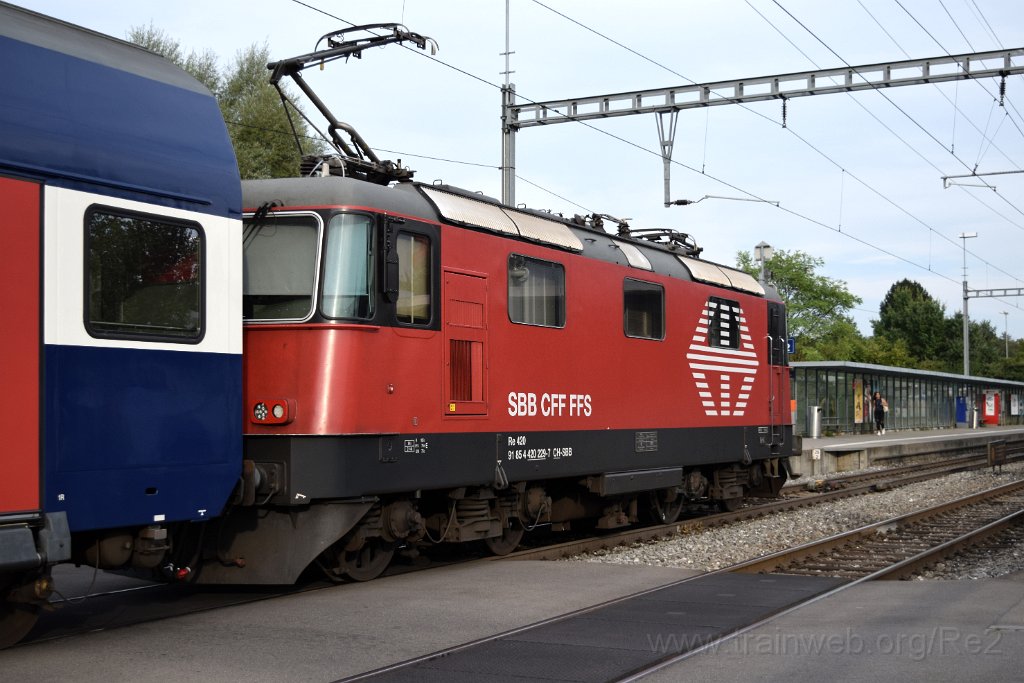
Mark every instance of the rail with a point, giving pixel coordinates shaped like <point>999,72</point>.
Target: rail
<point>868,552</point>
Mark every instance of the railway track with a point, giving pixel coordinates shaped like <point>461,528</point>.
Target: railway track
<point>896,548</point>
<point>899,547</point>
<point>795,498</point>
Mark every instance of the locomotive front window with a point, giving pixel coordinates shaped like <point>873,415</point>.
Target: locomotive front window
<point>279,271</point>
<point>143,277</point>
<point>643,309</point>
<point>536,292</point>
<point>348,269</point>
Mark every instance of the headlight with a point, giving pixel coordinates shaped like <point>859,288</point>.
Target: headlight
<point>273,412</point>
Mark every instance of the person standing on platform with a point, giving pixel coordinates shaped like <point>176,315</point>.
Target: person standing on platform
<point>881,407</point>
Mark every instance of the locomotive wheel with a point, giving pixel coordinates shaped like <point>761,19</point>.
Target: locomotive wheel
<point>666,505</point>
<point>368,562</point>
<point>509,539</point>
<point>16,620</point>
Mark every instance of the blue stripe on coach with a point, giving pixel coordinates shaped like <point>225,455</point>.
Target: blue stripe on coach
<point>87,126</point>
<point>133,434</point>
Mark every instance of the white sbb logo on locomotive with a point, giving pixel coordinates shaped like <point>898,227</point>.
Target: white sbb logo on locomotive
<point>522,404</point>
<point>722,358</point>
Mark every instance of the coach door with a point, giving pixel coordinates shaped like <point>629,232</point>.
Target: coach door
<point>20,345</point>
<point>465,343</point>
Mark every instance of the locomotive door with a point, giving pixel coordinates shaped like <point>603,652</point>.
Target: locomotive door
<point>465,343</point>
<point>777,362</point>
<point>20,346</point>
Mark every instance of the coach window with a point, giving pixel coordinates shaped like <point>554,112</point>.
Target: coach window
<point>723,323</point>
<point>643,309</point>
<point>279,267</point>
<point>536,292</point>
<point>144,277</point>
<point>414,278</point>
<point>348,268</point>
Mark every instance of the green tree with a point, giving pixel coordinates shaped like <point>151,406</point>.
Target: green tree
<point>201,65</point>
<point>842,341</point>
<point>987,348</point>
<point>817,306</point>
<point>257,123</point>
<point>1011,368</point>
<point>881,352</point>
<point>909,314</point>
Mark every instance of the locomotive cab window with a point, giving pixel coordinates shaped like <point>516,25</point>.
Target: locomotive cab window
<point>643,309</point>
<point>723,323</point>
<point>144,277</point>
<point>279,270</point>
<point>348,268</point>
<point>536,292</point>
<point>414,278</point>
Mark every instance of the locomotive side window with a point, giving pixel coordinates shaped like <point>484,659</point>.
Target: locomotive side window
<point>348,268</point>
<point>279,271</point>
<point>414,278</point>
<point>723,323</point>
<point>536,292</point>
<point>643,309</point>
<point>144,277</point>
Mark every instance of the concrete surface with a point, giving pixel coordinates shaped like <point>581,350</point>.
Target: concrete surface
<point>882,631</point>
<point>329,634</point>
<point>900,630</point>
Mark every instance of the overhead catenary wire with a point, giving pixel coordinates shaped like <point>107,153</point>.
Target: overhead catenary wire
<point>913,120</point>
<point>839,166</point>
<point>907,144</point>
<point>870,244</point>
<point>881,92</point>
<point>943,48</point>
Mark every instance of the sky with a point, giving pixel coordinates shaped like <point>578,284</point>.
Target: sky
<point>857,176</point>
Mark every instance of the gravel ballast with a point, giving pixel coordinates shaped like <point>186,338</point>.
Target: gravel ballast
<point>718,547</point>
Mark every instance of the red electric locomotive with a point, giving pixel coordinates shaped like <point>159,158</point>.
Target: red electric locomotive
<point>426,365</point>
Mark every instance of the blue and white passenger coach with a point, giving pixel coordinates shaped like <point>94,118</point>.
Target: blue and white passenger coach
<point>120,352</point>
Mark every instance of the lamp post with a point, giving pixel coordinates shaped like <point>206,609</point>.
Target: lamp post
<point>762,252</point>
<point>967,340</point>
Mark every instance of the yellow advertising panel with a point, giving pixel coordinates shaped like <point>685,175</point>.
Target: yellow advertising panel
<point>858,401</point>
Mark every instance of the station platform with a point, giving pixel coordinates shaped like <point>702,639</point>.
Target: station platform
<point>828,455</point>
<point>934,631</point>
<point>896,630</point>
